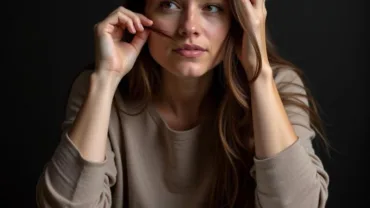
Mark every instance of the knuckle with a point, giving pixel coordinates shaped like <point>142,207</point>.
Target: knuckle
<point>97,26</point>
<point>121,9</point>
<point>136,19</point>
<point>257,22</point>
<point>140,16</point>
<point>264,10</point>
<point>117,12</point>
<point>122,17</point>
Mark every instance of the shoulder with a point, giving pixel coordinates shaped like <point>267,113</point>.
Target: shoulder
<point>290,80</point>
<point>288,75</point>
<point>296,99</point>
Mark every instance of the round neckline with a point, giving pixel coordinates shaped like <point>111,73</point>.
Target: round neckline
<point>159,120</point>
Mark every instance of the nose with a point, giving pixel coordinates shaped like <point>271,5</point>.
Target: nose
<point>189,25</point>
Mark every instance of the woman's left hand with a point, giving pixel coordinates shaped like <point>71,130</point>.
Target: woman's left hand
<point>256,13</point>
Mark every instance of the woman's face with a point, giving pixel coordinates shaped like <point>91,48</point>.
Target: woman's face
<point>199,29</point>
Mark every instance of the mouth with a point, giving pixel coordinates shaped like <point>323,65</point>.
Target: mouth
<point>190,51</point>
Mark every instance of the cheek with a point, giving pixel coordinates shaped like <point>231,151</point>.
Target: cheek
<point>167,24</point>
<point>216,29</point>
<point>158,44</point>
<point>218,33</point>
<point>158,48</point>
<point>154,50</point>
<point>217,36</point>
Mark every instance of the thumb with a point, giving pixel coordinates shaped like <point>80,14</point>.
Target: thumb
<point>139,40</point>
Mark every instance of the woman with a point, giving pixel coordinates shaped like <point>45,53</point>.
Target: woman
<point>192,109</point>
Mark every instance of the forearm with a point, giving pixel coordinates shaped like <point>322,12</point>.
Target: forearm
<point>90,130</point>
<point>287,171</point>
<point>273,131</point>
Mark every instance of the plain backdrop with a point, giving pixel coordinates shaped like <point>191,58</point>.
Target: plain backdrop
<point>47,43</point>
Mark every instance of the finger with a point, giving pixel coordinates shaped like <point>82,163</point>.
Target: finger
<point>120,19</point>
<point>117,18</point>
<point>139,20</point>
<point>139,40</point>
<point>113,21</point>
<point>260,3</point>
<point>125,22</point>
<point>135,18</point>
<point>144,20</point>
<point>248,5</point>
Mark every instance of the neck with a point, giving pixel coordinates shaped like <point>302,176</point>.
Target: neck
<point>184,96</point>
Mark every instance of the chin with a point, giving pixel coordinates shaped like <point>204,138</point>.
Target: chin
<point>188,70</point>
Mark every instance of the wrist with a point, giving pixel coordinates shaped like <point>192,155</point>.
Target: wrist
<point>104,82</point>
<point>264,79</point>
<point>265,74</point>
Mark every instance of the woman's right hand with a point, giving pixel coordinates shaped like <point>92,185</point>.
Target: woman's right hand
<point>114,56</point>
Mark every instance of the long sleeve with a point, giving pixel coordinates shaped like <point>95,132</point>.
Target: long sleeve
<point>68,180</point>
<point>296,176</point>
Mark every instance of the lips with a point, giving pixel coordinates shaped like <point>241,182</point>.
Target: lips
<point>190,50</point>
<point>192,47</point>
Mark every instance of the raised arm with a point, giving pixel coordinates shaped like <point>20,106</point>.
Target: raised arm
<point>82,169</point>
<point>287,171</point>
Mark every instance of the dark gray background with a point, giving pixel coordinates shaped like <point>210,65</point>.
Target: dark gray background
<point>49,42</point>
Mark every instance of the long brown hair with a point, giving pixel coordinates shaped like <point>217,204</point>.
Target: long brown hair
<point>234,150</point>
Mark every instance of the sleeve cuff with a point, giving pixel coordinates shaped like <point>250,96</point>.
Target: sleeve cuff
<point>278,174</point>
<point>72,176</point>
<point>72,149</point>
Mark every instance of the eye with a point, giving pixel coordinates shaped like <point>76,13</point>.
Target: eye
<point>168,5</point>
<point>213,8</point>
